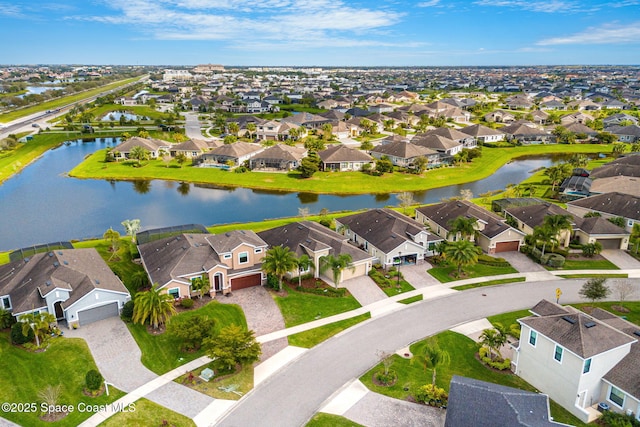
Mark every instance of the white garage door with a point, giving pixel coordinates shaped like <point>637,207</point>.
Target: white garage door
<point>98,313</point>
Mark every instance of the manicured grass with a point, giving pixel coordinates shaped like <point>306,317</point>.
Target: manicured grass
<point>327,182</point>
<point>299,307</point>
<point>506,319</point>
<point>463,362</point>
<point>147,413</point>
<point>411,300</point>
<point>242,379</point>
<point>311,338</point>
<point>443,274</point>
<point>65,362</point>
<point>162,353</point>
<point>593,264</point>
<point>139,110</point>
<point>395,290</point>
<point>585,276</point>
<point>488,283</point>
<point>329,420</point>
<point>61,102</point>
<point>632,316</point>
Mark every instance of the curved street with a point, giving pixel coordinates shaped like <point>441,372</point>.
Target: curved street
<point>293,394</point>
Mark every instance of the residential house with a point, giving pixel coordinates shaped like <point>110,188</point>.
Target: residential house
<point>527,218</point>
<point>579,128</point>
<point>317,241</point>
<point>575,187</point>
<point>630,133</point>
<point>600,230</point>
<point>521,102</point>
<point>388,236</point>
<point>579,360</point>
<point>279,157</point>
<point>381,108</point>
<point>463,138</point>
<point>609,205</point>
<point>493,235</point>
<point>75,285</point>
<point>152,145</point>
<point>339,157</point>
<point>308,120</point>
<point>193,148</point>
<point>539,117</point>
<point>403,153</point>
<point>441,144</point>
<point>500,116</point>
<point>527,133</point>
<point>619,118</point>
<point>578,117</point>
<point>230,261</point>
<point>126,101</point>
<point>622,166</point>
<point>621,184</point>
<point>271,130</point>
<point>483,134</point>
<point>236,154</point>
<point>584,105</point>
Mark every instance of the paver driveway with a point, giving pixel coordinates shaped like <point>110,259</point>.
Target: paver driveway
<point>364,290</point>
<point>621,259</point>
<point>418,276</point>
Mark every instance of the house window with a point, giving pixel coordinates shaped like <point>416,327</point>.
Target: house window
<point>630,223</point>
<point>587,366</point>
<point>175,293</point>
<point>243,257</point>
<point>226,256</point>
<point>533,336</point>
<point>558,354</point>
<point>257,251</point>
<point>6,303</point>
<point>616,396</point>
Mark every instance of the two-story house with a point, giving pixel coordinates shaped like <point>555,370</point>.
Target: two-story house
<point>388,236</point>
<point>230,261</point>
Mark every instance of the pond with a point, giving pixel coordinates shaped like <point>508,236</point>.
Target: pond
<point>31,90</point>
<point>114,116</point>
<point>42,204</point>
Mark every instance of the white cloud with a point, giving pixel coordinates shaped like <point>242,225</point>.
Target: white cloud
<point>10,10</point>
<point>429,3</point>
<point>545,6</point>
<point>611,33</point>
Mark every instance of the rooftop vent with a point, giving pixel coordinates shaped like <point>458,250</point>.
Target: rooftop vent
<point>97,282</point>
<point>227,234</point>
<point>59,252</point>
<point>50,254</point>
<point>27,259</point>
<point>636,333</point>
<point>569,319</point>
<point>48,283</point>
<point>56,264</point>
<point>300,227</point>
<point>65,262</point>
<point>590,324</point>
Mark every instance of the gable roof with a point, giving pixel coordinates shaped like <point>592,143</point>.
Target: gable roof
<point>223,243</point>
<point>449,133</point>
<point>534,215</point>
<point>435,142</point>
<point>150,144</point>
<point>622,184</point>
<point>282,152</point>
<point>599,225</point>
<point>342,153</point>
<point>195,145</point>
<point>475,403</point>
<point>403,149</point>
<point>617,169</point>
<point>237,149</point>
<point>617,204</point>
<point>480,130</point>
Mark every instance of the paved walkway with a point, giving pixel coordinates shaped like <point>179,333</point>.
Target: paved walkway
<point>621,259</point>
<point>364,290</point>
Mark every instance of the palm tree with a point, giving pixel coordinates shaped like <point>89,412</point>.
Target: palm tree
<point>432,358</point>
<point>462,226</point>
<point>279,260</point>
<point>618,149</point>
<point>39,323</point>
<point>233,128</point>
<point>555,174</point>
<point>304,263</point>
<point>462,253</point>
<point>336,264</point>
<point>139,153</point>
<point>635,234</point>
<point>530,188</point>
<point>544,235</point>
<point>557,223</point>
<point>201,284</point>
<point>154,306</point>
<point>131,226</point>
<point>113,237</point>
<point>251,127</point>
<point>493,339</point>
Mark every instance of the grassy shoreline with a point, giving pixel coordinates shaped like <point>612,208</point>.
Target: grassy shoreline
<point>492,159</point>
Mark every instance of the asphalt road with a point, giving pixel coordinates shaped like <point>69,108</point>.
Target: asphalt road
<point>292,395</point>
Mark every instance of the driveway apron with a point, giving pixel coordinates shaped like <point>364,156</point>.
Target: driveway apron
<point>376,410</point>
<point>364,290</point>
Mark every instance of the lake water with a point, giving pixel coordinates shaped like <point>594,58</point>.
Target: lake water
<point>38,90</point>
<point>41,204</point>
<point>114,116</point>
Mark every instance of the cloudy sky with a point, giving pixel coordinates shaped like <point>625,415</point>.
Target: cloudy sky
<point>321,32</point>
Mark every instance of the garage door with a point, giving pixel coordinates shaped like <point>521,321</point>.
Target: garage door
<point>246,281</point>
<point>610,243</point>
<point>507,246</point>
<point>98,313</point>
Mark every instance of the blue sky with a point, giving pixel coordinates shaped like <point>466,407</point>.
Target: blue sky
<point>321,32</point>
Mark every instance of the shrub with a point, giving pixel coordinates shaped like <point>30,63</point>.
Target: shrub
<point>591,249</point>
<point>93,380</point>
<point>615,419</point>
<point>127,311</point>
<point>386,379</point>
<point>17,337</point>
<point>494,262</point>
<point>326,222</point>
<point>186,303</point>
<point>272,282</point>
<point>555,261</point>
<point>433,395</point>
<point>329,292</point>
<point>499,364</point>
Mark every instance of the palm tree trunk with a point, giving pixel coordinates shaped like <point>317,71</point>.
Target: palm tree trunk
<point>433,377</point>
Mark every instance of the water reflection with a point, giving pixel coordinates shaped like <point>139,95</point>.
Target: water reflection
<point>142,186</point>
<point>184,188</point>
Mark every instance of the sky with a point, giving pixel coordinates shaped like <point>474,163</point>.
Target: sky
<point>321,32</point>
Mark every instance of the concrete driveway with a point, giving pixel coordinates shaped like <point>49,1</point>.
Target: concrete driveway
<point>418,276</point>
<point>621,259</point>
<point>116,353</point>
<point>521,262</point>
<point>377,410</point>
<point>364,289</point>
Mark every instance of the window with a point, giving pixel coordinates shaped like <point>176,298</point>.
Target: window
<point>587,366</point>
<point>616,396</point>
<point>558,354</point>
<point>175,293</point>
<point>226,256</point>
<point>257,250</point>
<point>243,257</point>
<point>533,336</point>
<point>6,303</point>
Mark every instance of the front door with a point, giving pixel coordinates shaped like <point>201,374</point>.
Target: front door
<point>217,282</point>
<point>57,307</point>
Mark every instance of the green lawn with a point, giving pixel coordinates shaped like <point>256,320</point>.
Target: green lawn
<point>313,337</point>
<point>57,103</point>
<point>463,362</point>
<point>148,413</point>
<point>510,318</point>
<point>488,283</point>
<point>411,300</point>
<point>329,420</point>
<point>161,353</point>
<point>299,307</point>
<point>65,362</point>
<point>325,182</point>
<point>592,264</point>
<point>586,276</point>
<point>242,381</point>
<point>632,316</point>
<point>140,110</point>
<point>443,274</point>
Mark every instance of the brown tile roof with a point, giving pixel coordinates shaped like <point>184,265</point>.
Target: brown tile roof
<point>480,130</point>
<point>341,153</point>
<point>435,142</point>
<point>237,149</point>
<point>282,152</point>
<point>224,243</point>
<point>617,204</point>
<point>534,215</point>
<point>403,149</point>
<point>621,184</point>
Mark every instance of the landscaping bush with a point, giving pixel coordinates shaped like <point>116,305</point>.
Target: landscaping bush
<point>127,311</point>
<point>329,292</point>
<point>186,303</point>
<point>591,249</point>
<point>615,419</point>
<point>17,337</point>
<point>555,261</point>
<point>272,282</point>
<point>432,395</point>
<point>499,364</point>
<point>575,246</point>
<point>494,262</point>
<point>93,380</point>
<point>387,379</point>
<point>326,222</point>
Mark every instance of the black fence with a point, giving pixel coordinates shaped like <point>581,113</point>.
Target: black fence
<point>29,251</point>
<point>160,233</point>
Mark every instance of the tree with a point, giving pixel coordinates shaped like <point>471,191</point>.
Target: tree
<point>545,236</point>
<point>624,290</point>
<point>493,339</point>
<point>5,318</point>
<point>578,160</point>
<point>432,358</point>
<point>233,128</point>
<point>420,164</point>
<point>530,188</point>
<point>557,223</point>
<point>336,265</point>
<point>39,323</point>
<point>635,235</point>
<point>606,137</point>
<point>314,144</point>
<point>251,127</point>
<point>113,237</point>
<point>327,131</point>
<point>233,346</point>
<point>201,284</point>
<point>304,263</point>
<point>591,249</point>
<point>462,227</point>
<point>309,165</point>
<point>139,153</point>
<point>93,380</point>
<point>406,200</point>
<point>384,165</point>
<point>153,306</point>
<point>556,175</point>
<point>279,260</point>
<point>462,253</point>
<point>595,289</point>
<point>181,158</point>
<point>618,149</point>
<point>192,330</point>
<point>131,227</point>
